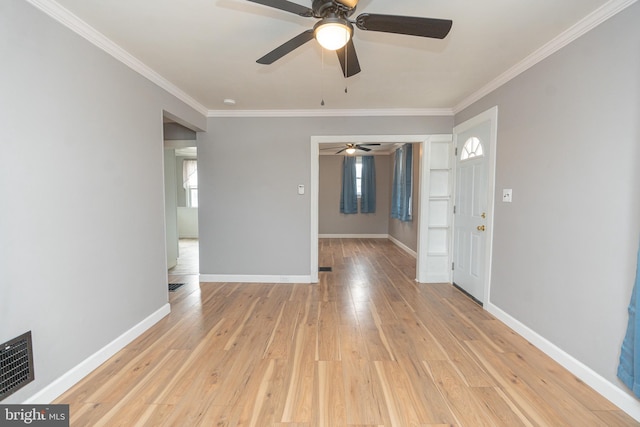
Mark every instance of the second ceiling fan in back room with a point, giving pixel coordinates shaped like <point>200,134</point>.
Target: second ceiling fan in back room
<point>334,30</point>
<point>351,148</point>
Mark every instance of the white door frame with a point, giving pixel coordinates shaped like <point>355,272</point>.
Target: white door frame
<point>490,115</point>
<point>421,261</point>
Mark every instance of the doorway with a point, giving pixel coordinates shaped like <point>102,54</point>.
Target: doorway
<point>425,260</point>
<point>475,142</point>
<point>181,201</point>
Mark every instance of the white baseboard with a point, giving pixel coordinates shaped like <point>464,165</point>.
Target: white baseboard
<point>353,236</point>
<point>49,393</point>
<point>404,247</point>
<point>610,391</point>
<point>438,278</point>
<point>258,278</point>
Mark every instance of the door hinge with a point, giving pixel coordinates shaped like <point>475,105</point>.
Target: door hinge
<point>456,151</point>
<point>452,265</point>
<point>454,209</point>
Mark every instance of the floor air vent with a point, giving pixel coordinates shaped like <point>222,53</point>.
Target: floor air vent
<point>174,286</point>
<point>16,364</point>
<point>325,269</point>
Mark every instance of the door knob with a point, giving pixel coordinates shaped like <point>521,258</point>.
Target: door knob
<point>480,228</point>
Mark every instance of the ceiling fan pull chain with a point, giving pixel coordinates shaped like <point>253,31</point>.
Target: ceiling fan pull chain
<point>346,67</point>
<point>322,78</point>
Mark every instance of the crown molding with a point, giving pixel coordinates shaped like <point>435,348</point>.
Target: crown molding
<point>591,21</point>
<point>334,113</point>
<point>77,25</point>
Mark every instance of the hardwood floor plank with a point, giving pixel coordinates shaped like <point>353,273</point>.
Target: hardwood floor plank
<point>281,339</point>
<point>502,409</point>
<point>328,338</point>
<point>352,343</point>
<point>616,418</point>
<point>402,401</point>
<point>364,398</point>
<point>531,403</point>
<point>367,346</point>
<point>463,403</point>
<point>432,402</point>
<point>301,377</point>
<point>555,396</point>
<point>127,410</point>
<point>330,406</point>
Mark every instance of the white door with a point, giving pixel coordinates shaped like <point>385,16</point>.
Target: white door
<point>472,208</point>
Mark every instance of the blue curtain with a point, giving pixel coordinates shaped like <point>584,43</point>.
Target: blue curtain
<point>402,190</point>
<point>349,193</point>
<point>629,367</point>
<point>368,185</point>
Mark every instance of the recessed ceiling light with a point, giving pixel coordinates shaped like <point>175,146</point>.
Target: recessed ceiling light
<point>229,101</point>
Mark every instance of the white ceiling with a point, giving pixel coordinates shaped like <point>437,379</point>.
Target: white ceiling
<point>207,49</point>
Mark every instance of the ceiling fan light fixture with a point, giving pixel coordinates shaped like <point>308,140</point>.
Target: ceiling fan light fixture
<point>350,150</point>
<point>333,32</point>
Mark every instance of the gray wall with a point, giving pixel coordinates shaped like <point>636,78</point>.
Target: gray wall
<point>406,232</point>
<point>331,221</point>
<point>249,170</point>
<point>81,183</point>
<point>569,146</point>
<point>175,131</point>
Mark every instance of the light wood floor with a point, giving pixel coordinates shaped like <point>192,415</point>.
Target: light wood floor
<point>188,261</point>
<point>367,346</point>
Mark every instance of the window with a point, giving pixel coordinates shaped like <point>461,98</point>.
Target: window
<point>359,176</point>
<point>190,182</point>
<point>472,148</point>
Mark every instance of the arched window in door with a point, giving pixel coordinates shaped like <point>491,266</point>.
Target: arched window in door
<point>472,148</point>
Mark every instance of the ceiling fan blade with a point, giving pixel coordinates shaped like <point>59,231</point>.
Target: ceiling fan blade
<point>409,25</point>
<point>287,6</point>
<point>287,47</point>
<point>338,152</point>
<point>363,148</point>
<point>368,145</point>
<point>349,59</point>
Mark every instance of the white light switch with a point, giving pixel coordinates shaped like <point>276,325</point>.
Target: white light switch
<point>300,189</point>
<point>507,195</point>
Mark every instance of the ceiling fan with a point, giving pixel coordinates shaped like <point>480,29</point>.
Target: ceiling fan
<point>351,148</point>
<point>334,30</point>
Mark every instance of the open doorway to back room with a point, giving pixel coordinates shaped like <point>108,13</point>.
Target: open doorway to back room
<point>431,172</point>
<point>187,212</point>
<point>181,196</point>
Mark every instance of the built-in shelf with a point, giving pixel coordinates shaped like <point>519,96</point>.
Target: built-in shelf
<point>440,208</point>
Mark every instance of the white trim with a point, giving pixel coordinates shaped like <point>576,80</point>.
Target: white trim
<point>49,393</point>
<point>610,391</point>
<point>251,278</point>
<point>397,112</point>
<point>439,278</point>
<point>404,247</point>
<point>353,236</point>
<point>314,195</point>
<point>490,115</point>
<point>582,27</point>
<point>78,26</point>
